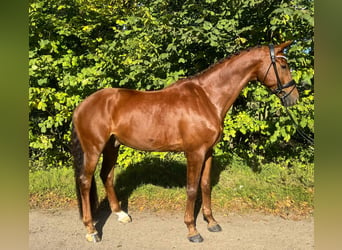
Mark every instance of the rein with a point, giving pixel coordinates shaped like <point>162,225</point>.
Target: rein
<point>299,130</point>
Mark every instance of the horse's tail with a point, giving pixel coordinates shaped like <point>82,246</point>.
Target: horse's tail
<point>78,155</point>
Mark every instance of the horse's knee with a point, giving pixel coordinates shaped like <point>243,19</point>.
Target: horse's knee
<point>191,193</point>
<point>85,182</point>
<point>205,186</point>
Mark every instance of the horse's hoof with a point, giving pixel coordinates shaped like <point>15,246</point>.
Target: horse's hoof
<point>125,220</point>
<point>123,217</point>
<point>93,237</point>
<point>196,238</point>
<point>215,228</point>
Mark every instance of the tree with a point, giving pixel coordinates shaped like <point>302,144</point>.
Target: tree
<point>80,46</point>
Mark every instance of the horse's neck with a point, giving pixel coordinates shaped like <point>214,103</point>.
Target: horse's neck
<point>224,81</point>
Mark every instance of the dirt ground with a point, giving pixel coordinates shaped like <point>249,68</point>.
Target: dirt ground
<point>62,229</point>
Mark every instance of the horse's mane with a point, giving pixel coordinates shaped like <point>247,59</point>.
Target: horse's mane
<point>230,56</point>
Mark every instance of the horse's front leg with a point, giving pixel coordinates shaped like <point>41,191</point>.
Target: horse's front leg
<point>213,226</point>
<point>194,169</point>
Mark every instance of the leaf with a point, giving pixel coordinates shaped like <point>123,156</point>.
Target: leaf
<point>60,7</point>
<point>120,22</point>
<point>181,60</point>
<point>303,123</point>
<point>207,25</point>
<point>42,81</point>
<point>43,129</point>
<point>41,105</point>
<point>43,43</point>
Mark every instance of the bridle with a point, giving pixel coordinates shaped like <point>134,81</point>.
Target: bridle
<point>279,90</point>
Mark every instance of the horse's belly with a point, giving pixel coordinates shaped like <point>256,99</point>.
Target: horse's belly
<point>158,141</point>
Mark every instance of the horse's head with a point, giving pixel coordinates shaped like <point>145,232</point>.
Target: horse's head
<point>274,73</point>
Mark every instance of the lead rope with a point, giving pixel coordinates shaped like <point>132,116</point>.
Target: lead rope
<point>299,130</point>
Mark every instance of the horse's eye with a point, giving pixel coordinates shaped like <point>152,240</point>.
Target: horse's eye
<point>283,66</point>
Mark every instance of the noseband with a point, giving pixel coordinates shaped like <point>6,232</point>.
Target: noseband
<point>280,87</point>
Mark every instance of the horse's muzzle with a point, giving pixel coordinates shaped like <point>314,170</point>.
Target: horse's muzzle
<point>289,100</point>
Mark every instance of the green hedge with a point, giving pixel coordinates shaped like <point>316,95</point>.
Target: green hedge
<point>79,46</point>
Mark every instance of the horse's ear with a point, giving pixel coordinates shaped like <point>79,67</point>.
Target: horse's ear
<point>282,46</point>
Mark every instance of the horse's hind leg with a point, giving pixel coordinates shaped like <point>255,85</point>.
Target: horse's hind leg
<point>110,154</point>
<point>89,195</point>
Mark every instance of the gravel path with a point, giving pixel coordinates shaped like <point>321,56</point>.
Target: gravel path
<point>62,229</point>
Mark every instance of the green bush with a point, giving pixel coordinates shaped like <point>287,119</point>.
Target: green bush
<point>80,46</point>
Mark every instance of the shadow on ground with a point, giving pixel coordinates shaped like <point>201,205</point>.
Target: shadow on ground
<point>155,171</point>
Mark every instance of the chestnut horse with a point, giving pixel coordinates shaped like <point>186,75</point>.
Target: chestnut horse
<point>187,116</point>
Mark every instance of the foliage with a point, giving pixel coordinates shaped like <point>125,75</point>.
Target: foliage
<point>80,46</point>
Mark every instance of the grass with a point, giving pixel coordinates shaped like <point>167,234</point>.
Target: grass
<point>159,184</point>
